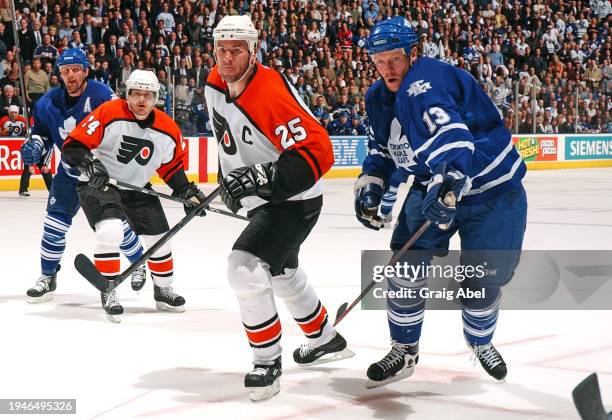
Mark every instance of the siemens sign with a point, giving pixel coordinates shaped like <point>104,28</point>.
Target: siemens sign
<point>588,147</point>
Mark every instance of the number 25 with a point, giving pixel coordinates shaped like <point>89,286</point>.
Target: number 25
<point>298,133</point>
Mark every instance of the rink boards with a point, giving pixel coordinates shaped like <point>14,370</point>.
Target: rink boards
<point>539,151</point>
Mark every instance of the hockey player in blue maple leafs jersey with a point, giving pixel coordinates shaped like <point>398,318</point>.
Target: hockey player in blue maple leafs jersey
<point>55,115</point>
<point>433,121</point>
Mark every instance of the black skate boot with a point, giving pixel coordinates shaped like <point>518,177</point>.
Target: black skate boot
<point>167,300</point>
<point>490,359</point>
<point>139,277</point>
<point>399,363</point>
<point>112,306</point>
<point>334,349</point>
<point>43,290</point>
<point>263,381</point>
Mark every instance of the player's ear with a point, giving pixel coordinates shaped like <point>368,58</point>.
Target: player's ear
<point>414,54</point>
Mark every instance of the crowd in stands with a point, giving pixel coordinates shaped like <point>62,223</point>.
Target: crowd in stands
<point>558,52</point>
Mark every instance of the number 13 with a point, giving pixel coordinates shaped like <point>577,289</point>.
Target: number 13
<point>441,118</point>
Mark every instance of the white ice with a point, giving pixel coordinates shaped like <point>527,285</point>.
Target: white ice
<point>191,365</point>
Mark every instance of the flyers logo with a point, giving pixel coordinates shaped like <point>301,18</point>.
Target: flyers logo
<point>223,133</point>
<point>134,148</point>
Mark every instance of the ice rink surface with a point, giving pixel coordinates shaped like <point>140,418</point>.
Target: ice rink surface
<point>191,365</point>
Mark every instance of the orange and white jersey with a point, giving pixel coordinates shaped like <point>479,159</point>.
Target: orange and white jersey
<point>266,120</point>
<point>131,150</point>
<point>12,128</point>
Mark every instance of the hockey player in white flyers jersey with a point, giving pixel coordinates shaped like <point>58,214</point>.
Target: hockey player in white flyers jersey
<point>273,153</point>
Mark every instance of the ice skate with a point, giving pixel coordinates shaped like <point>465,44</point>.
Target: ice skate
<point>490,359</point>
<point>112,306</point>
<point>43,290</point>
<point>398,364</point>
<point>263,381</point>
<point>335,349</point>
<point>139,277</point>
<point>168,301</point>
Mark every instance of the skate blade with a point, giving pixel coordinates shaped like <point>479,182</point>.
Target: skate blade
<point>331,357</point>
<point>264,392</point>
<point>44,298</point>
<point>114,318</point>
<point>370,384</point>
<point>161,306</point>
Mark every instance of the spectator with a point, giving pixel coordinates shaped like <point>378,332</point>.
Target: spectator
<point>47,53</point>
<point>36,83</point>
<point>7,99</point>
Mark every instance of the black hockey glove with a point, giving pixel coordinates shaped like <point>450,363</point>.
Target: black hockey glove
<point>193,194</point>
<point>243,182</point>
<point>95,170</point>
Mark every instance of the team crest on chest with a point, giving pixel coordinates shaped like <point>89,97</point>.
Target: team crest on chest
<point>223,133</point>
<point>141,150</point>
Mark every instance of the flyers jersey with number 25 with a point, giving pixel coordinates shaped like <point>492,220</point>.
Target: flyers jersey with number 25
<point>266,120</point>
<point>131,150</point>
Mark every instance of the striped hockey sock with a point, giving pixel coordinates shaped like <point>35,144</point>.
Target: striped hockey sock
<point>313,324</point>
<point>479,324</point>
<point>130,246</point>
<point>108,264</point>
<point>53,242</point>
<point>162,269</point>
<point>264,335</point>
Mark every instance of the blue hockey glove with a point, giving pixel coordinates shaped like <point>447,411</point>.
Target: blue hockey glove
<point>32,150</point>
<point>369,190</point>
<point>443,192</point>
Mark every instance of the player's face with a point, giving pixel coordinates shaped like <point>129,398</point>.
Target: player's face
<point>233,59</point>
<point>141,102</point>
<point>74,77</point>
<point>392,66</point>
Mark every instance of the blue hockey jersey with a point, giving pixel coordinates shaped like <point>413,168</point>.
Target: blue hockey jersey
<point>54,118</point>
<point>443,115</point>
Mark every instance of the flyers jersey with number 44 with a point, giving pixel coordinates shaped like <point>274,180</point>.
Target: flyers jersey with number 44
<point>131,150</point>
<point>267,120</point>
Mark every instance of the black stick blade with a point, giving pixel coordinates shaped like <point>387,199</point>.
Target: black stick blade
<point>587,398</point>
<point>88,270</point>
<point>340,313</point>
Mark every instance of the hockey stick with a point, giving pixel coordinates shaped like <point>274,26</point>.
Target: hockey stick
<point>344,309</point>
<point>88,270</point>
<point>173,198</point>
<point>587,398</point>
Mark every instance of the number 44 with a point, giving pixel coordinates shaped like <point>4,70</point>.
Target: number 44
<point>298,133</point>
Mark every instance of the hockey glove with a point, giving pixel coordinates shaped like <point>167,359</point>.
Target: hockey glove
<point>443,191</point>
<point>247,181</point>
<point>369,189</point>
<point>193,194</point>
<point>32,150</point>
<point>95,170</point>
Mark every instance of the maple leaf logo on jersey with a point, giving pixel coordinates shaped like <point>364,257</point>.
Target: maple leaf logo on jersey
<point>140,150</point>
<point>223,133</point>
<point>418,87</point>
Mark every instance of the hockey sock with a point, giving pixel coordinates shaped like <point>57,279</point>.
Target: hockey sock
<point>130,246</point>
<point>479,324</point>
<point>249,276</point>
<point>303,304</point>
<point>53,241</point>
<point>162,269</point>
<point>405,315</point>
<point>108,264</point>
<point>109,233</point>
<point>161,264</point>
